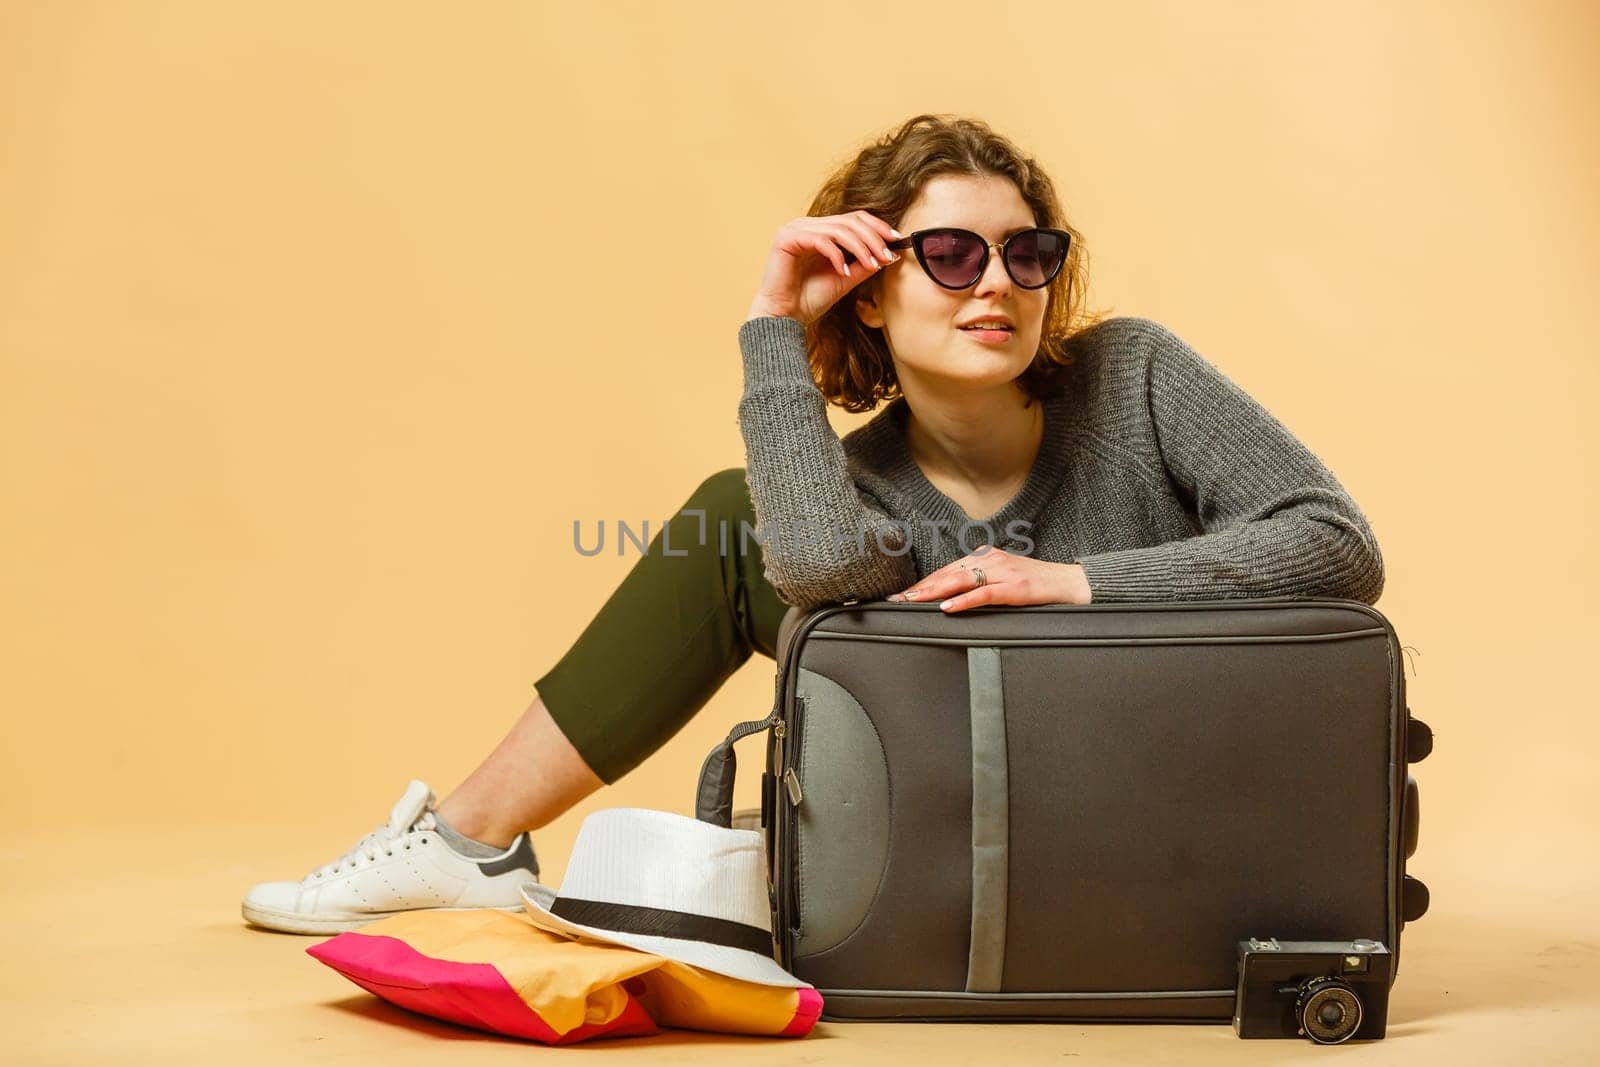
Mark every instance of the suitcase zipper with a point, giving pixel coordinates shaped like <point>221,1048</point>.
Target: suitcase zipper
<point>784,852</point>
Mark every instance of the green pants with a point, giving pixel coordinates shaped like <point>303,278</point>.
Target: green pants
<point>687,616</point>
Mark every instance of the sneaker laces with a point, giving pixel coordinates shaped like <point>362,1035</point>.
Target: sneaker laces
<point>412,813</point>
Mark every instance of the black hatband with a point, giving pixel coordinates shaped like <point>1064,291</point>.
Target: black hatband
<point>662,922</point>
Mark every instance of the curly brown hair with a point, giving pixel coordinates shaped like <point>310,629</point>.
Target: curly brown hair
<point>849,359</point>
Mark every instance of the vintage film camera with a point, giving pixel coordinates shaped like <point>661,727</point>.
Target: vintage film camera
<point>1327,991</point>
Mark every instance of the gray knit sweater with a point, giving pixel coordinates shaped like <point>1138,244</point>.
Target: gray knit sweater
<point>1156,473</point>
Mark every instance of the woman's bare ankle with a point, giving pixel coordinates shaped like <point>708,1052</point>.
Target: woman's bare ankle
<point>532,777</point>
<point>473,822</point>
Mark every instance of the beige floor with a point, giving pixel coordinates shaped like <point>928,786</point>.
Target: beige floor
<point>125,946</point>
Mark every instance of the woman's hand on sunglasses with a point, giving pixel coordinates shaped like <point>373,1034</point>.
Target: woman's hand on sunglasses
<point>806,272</point>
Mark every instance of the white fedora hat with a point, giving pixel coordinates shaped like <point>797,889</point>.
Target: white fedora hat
<point>670,885</point>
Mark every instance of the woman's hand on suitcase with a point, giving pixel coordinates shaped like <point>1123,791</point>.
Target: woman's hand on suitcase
<point>1009,579</point>
<point>806,272</point>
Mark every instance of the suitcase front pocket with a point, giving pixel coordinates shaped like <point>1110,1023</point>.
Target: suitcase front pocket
<point>882,857</point>
<point>842,815</point>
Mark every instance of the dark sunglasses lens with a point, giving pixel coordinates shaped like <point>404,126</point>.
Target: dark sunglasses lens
<point>953,258</point>
<point>1035,256</point>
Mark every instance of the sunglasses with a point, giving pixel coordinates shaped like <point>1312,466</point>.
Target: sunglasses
<point>956,258</point>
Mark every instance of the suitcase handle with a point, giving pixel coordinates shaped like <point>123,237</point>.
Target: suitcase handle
<point>713,798</point>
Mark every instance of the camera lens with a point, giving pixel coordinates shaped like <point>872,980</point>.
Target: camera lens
<point>1327,1009</point>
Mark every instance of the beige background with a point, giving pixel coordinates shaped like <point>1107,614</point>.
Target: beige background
<point>320,324</point>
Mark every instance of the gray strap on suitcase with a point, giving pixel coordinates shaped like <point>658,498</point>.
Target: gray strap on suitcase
<point>713,800</point>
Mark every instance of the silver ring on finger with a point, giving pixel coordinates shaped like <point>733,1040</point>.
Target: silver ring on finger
<point>977,573</point>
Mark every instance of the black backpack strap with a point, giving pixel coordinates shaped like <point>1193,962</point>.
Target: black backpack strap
<point>713,802</point>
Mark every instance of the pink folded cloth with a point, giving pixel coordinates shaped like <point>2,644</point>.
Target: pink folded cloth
<point>496,971</point>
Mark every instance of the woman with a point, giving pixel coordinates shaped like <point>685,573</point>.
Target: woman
<point>1050,458</point>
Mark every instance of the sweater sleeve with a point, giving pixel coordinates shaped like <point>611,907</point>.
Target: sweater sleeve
<point>822,542</point>
<point>1275,521</point>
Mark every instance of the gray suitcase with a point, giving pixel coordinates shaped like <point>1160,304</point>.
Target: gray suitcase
<point>1077,812</point>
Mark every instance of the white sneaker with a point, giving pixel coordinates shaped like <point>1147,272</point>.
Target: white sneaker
<point>402,866</point>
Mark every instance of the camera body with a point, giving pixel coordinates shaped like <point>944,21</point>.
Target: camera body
<point>1325,991</point>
